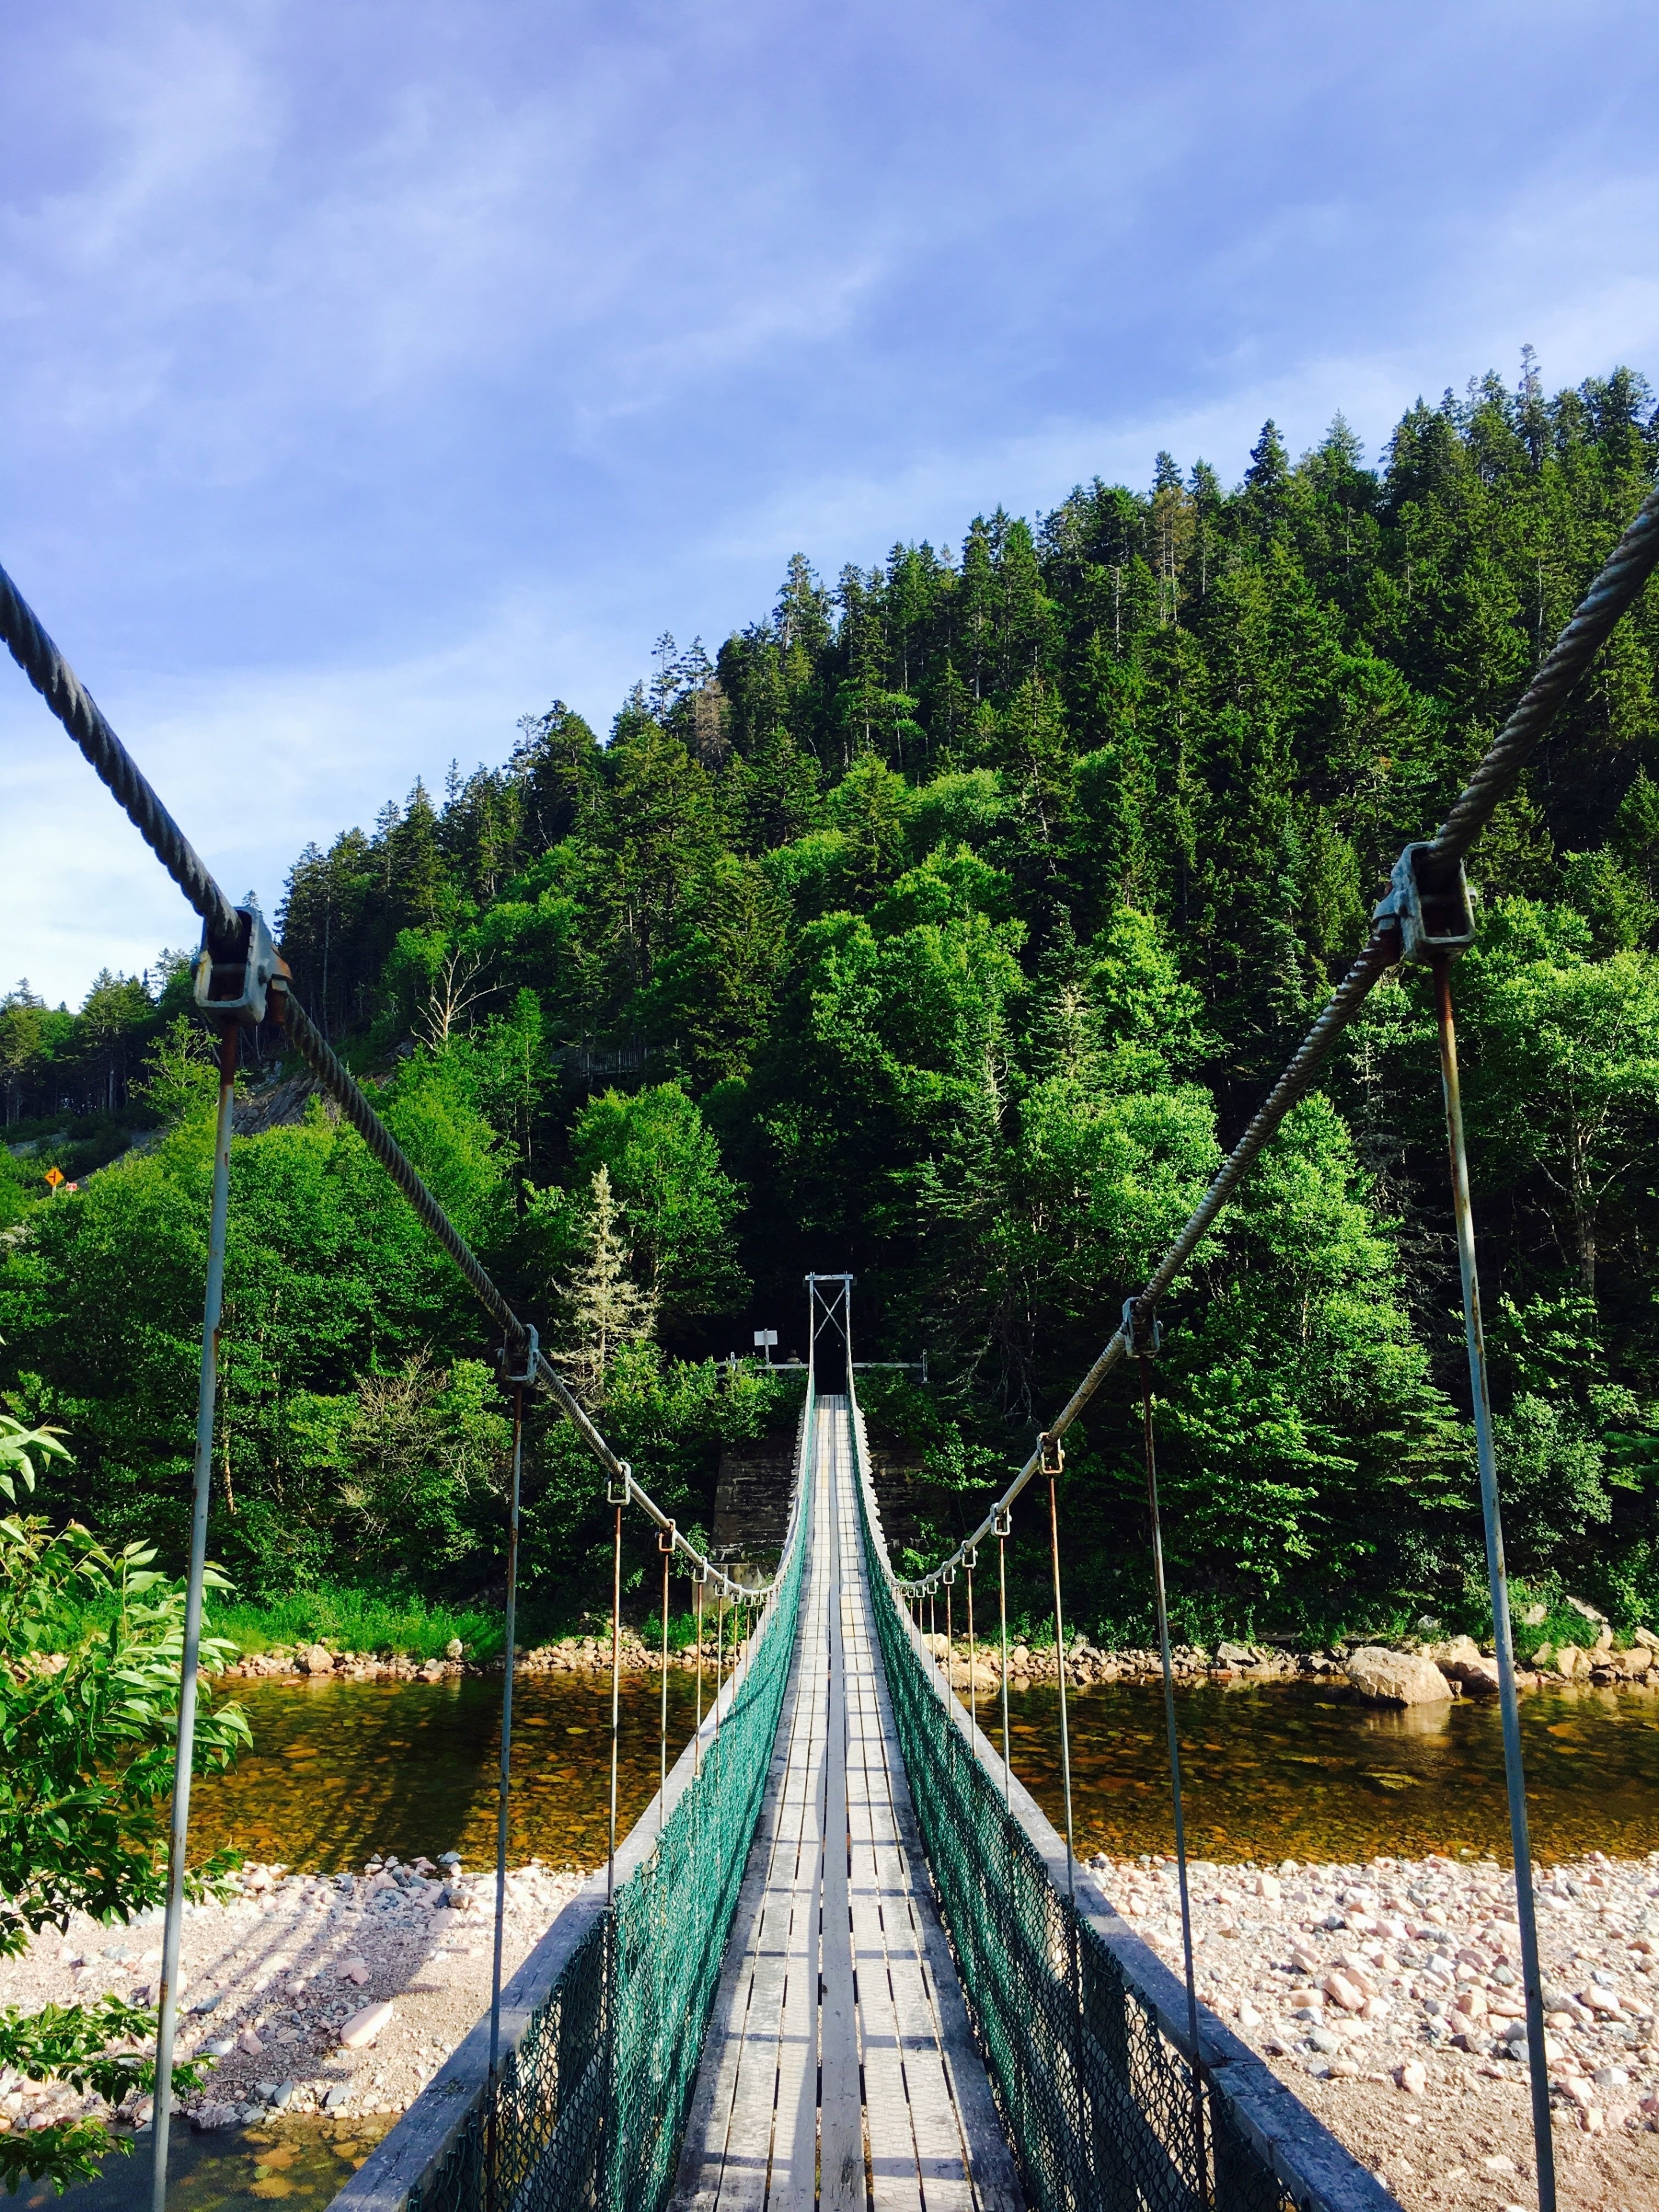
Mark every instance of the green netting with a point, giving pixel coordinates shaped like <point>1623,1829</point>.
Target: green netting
<point>1099,2104</point>
<point>591,2106</point>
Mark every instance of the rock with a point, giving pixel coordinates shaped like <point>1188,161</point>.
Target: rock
<point>315,1659</point>
<point>1412,2078</point>
<point>1585,1611</point>
<point>207,2119</point>
<point>355,1970</point>
<point>1267,1885</point>
<point>1396,1677</point>
<point>1235,1655</point>
<point>1476,1673</point>
<point>360,2030</point>
<point>249,2045</point>
<point>284,2096</point>
<point>337,2096</point>
<point>433,1671</point>
<point>1646,1638</point>
<point>455,1649</point>
<point>220,2047</point>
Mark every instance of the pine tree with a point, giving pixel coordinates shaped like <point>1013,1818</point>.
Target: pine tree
<point>606,1309</point>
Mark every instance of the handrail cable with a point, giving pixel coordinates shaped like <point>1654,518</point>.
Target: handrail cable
<point>235,939</point>
<point>1610,596</point>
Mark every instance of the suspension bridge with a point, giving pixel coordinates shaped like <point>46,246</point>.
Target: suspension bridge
<point>843,1961</point>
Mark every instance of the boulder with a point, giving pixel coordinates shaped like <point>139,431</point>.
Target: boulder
<point>1235,1655</point>
<point>1463,1660</point>
<point>1568,1660</point>
<point>363,2026</point>
<point>1396,1677</point>
<point>315,1659</point>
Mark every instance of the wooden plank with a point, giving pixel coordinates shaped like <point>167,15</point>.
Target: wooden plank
<point>840,2112</point>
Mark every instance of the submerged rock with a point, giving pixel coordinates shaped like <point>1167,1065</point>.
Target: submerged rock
<point>1396,1677</point>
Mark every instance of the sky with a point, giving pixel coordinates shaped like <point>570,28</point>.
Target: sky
<point>373,374</point>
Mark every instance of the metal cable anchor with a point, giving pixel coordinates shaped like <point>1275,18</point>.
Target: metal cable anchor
<point>1428,901</point>
<point>524,1373</point>
<point>231,982</point>
<point>1142,1333</point>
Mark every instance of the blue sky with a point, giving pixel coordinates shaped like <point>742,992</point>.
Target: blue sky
<point>371,372</point>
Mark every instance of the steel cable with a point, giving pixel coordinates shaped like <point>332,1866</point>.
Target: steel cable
<point>47,669</point>
<point>76,708</point>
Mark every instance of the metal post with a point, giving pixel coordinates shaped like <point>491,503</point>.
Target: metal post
<point>665,1546</point>
<point>504,1782</point>
<point>972,1689</point>
<point>1174,1737</point>
<point>720,1654</point>
<point>1004,1523</point>
<point>700,1575</point>
<point>616,1701</point>
<point>1059,1678</point>
<point>207,1391</point>
<point>1497,1580</point>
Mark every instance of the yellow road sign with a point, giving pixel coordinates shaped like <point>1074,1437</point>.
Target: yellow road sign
<point>54,1176</point>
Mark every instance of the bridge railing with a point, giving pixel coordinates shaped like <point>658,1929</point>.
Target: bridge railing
<point>603,2026</point>
<point>1082,2027</point>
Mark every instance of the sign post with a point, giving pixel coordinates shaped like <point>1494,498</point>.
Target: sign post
<point>764,1341</point>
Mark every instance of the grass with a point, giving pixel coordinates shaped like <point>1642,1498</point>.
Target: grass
<point>354,1619</point>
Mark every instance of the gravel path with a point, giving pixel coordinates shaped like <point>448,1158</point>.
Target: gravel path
<point>1388,1995</point>
<point>273,1979</point>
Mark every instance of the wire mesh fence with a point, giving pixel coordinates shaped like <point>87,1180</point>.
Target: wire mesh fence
<point>1101,2108</point>
<point>589,2108</point>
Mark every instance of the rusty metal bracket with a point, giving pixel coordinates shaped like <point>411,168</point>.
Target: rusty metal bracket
<point>230,986</point>
<point>1051,1458</point>
<point>532,1350</point>
<point>616,1488</point>
<point>1144,1337</point>
<point>1428,901</point>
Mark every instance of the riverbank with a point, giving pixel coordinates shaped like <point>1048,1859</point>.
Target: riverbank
<point>1384,1992</point>
<point>1464,1667</point>
<point>570,1655</point>
<point>307,1993</point>
<point>1387,1995</point>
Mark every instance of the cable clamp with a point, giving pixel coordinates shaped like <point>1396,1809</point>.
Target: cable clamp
<point>1428,901</point>
<point>971,1556</point>
<point>1143,1333</point>
<point>616,1486</point>
<point>1003,1527</point>
<point>532,1352</point>
<point>666,1537</point>
<point>947,1575</point>
<point>231,985</point>
<point>1051,1460</point>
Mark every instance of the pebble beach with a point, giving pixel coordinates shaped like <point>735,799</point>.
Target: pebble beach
<point>1388,1995</point>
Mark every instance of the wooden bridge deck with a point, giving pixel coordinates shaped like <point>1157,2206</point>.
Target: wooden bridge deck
<point>839,2070</point>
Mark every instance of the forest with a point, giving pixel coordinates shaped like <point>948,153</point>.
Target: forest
<point>946,925</point>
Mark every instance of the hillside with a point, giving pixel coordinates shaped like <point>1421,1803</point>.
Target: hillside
<point>945,925</point>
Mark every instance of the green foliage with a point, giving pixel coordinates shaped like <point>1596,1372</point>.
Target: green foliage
<point>347,1617</point>
<point>91,1646</point>
<point>947,926</point>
